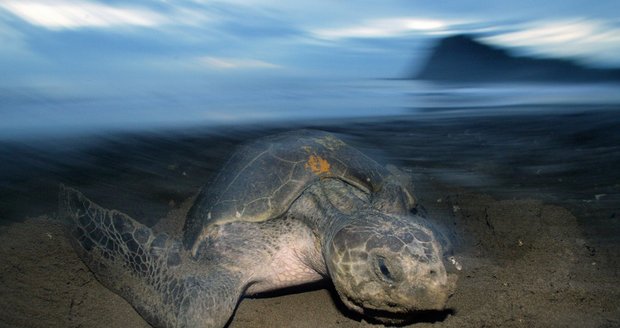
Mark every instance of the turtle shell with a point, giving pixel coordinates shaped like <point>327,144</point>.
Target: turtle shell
<point>263,178</point>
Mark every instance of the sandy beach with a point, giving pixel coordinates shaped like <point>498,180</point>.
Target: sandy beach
<point>530,204</point>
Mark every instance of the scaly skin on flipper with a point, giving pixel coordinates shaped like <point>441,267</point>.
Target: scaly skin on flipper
<point>152,272</point>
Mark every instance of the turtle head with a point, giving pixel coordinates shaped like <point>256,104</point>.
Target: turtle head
<point>388,267</point>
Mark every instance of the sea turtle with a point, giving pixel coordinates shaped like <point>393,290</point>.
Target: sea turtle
<point>285,210</point>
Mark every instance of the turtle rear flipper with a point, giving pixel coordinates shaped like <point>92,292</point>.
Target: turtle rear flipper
<point>152,272</point>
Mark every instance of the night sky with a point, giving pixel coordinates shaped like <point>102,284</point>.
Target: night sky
<point>52,49</point>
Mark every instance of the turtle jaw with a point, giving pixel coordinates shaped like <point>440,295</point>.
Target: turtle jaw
<point>388,268</point>
<point>401,300</point>
<point>394,314</point>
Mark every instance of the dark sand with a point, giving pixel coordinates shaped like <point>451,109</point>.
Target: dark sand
<point>531,209</point>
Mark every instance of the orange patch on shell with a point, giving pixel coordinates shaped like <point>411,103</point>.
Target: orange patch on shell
<point>317,164</point>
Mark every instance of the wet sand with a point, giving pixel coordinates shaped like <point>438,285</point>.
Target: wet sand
<point>525,264</point>
<point>536,232</point>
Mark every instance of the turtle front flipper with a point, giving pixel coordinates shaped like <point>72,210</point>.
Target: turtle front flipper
<point>152,272</point>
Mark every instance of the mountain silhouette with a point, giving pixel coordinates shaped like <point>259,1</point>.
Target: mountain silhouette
<point>461,58</point>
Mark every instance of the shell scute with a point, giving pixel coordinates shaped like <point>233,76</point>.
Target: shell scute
<point>263,178</point>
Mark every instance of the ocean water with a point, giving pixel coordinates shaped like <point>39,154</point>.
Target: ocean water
<point>30,114</point>
<point>143,151</point>
<point>147,153</point>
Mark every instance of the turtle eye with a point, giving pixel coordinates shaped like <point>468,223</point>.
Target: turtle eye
<point>384,270</point>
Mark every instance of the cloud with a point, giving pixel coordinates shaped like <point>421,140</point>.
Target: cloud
<point>12,41</point>
<point>387,27</point>
<point>73,14</point>
<point>594,40</point>
<point>234,63</point>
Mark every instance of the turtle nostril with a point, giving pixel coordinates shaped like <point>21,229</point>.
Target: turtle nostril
<point>432,273</point>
